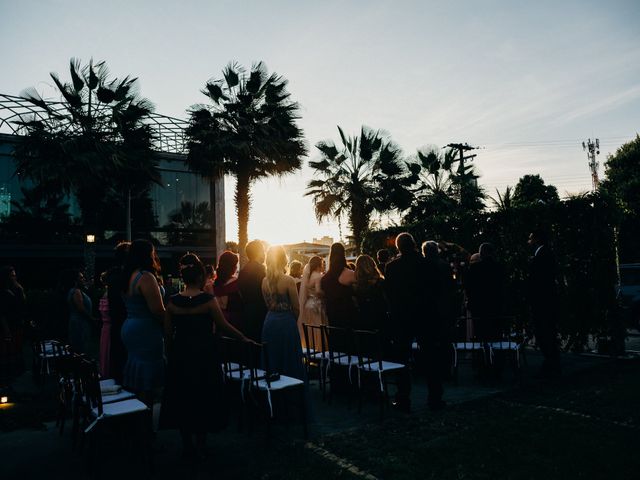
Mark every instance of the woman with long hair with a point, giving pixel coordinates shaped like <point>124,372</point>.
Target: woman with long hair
<point>81,318</point>
<point>193,397</point>
<point>142,331</point>
<point>337,285</point>
<point>280,331</point>
<point>226,288</point>
<point>370,297</point>
<point>311,305</point>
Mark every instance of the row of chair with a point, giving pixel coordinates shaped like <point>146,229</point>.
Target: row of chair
<point>358,355</point>
<point>91,402</point>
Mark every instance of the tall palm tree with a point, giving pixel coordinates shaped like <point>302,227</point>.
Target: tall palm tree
<point>363,175</point>
<point>442,185</point>
<point>94,140</point>
<point>248,131</point>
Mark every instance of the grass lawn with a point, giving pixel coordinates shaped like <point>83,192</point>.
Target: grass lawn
<point>529,433</point>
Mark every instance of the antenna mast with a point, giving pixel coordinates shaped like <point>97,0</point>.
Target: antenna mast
<point>593,148</point>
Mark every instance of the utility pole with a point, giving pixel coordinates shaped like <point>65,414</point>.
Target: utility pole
<point>593,148</point>
<point>462,148</point>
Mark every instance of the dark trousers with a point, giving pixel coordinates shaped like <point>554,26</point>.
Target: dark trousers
<point>401,353</point>
<point>435,359</point>
<point>544,323</point>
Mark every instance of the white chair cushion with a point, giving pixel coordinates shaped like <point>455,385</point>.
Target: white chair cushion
<point>280,384</point>
<point>246,374</point>
<point>386,366</point>
<point>506,345</point>
<point>468,346</point>
<point>343,359</point>
<point>117,397</point>
<point>107,382</point>
<point>124,407</point>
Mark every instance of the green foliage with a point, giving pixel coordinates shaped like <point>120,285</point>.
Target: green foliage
<point>441,185</point>
<point>364,175</point>
<point>531,190</point>
<point>249,131</point>
<point>95,132</point>
<point>584,247</point>
<point>622,183</point>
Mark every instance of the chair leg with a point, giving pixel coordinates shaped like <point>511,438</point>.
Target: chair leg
<point>303,411</point>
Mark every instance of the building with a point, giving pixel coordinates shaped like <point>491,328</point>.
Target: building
<point>178,185</point>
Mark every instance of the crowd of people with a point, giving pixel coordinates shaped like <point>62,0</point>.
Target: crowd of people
<point>163,346</point>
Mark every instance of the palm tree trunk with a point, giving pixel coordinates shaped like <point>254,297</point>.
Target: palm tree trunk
<point>359,220</point>
<point>242,207</point>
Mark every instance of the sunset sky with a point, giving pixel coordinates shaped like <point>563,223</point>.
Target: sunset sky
<point>526,82</point>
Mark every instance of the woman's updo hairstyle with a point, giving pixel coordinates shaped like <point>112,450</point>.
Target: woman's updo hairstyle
<point>192,269</point>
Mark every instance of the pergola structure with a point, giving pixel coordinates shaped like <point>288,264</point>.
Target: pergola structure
<point>168,132</point>
<point>169,142</point>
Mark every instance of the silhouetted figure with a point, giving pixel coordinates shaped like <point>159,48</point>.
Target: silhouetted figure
<point>227,290</point>
<point>337,286</point>
<point>434,332</point>
<point>12,300</point>
<point>370,296</point>
<point>383,256</point>
<point>484,286</point>
<point>543,301</point>
<point>193,399</point>
<point>117,312</point>
<point>250,286</point>
<point>408,289</point>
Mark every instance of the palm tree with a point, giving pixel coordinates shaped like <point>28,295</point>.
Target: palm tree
<point>249,131</point>
<point>504,201</point>
<point>442,185</point>
<point>94,140</point>
<point>362,176</point>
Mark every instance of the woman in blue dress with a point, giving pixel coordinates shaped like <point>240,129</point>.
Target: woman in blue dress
<point>142,331</point>
<point>81,317</point>
<point>280,330</point>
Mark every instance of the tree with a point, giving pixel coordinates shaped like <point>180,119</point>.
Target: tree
<point>91,142</point>
<point>622,182</point>
<point>363,176</point>
<point>504,201</point>
<point>249,131</point>
<point>432,177</point>
<point>622,171</point>
<point>531,190</point>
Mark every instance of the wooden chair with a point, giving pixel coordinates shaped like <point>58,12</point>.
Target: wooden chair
<point>266,383</point>
<point>343,361</point>
<point>316,355</point>
<point>371,365</point>
<point>127,413</point>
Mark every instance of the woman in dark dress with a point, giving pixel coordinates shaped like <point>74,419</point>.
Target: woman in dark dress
<point>337,285</point>
<point>370,297</point>
<point>193,399</point>
<point>226,289</point>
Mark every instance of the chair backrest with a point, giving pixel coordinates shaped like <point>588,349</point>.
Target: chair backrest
<point>233,355</point>
<point>88,385</point>
<point>339,342</point>
<point>368,348</point>
<point>315,341</point>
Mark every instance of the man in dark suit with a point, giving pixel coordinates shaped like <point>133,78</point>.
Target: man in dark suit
<point>484,286</point>
<point>543,301</point>
<point>250,286</point>
<point>407,285</point>
<point>439,317</point>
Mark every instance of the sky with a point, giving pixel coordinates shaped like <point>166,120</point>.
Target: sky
<point>526,82</point>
